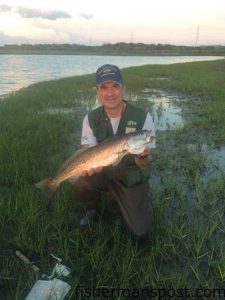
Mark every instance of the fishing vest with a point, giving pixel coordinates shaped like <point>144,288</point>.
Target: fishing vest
<point>132,119</point>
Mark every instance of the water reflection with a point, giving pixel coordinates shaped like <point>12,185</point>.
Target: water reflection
<point>11,71</point>
<point>165,108</point>
<point>19,71</point>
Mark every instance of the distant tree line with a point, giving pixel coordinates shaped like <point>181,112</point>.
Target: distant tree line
<point>113,49</point>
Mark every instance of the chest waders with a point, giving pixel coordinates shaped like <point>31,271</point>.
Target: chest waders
<point>126,182</point>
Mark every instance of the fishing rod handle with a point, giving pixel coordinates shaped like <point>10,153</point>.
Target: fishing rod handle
<point>27,261</point>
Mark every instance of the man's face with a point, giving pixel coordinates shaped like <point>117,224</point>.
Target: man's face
<point>111,94</point>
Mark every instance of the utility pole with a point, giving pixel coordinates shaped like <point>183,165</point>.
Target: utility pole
<point>131,37</point>
<point>196,38</point>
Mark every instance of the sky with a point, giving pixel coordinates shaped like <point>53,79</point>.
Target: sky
<point>96,22</point>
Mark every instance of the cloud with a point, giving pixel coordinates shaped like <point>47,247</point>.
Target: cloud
<point>42,13</point>
<point>4,8</point>
<point>86,16</point>
<point>9,40</point>
<point>26,12</point>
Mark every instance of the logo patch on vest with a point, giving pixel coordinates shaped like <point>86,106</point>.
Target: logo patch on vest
<point>130,129</point>
<point>131,126</point>
<point>131,123</point>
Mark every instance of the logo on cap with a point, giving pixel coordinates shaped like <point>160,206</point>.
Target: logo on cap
<point>108,73</point>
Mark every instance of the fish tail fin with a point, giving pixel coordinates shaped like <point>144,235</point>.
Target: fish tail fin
<point>47,185</point>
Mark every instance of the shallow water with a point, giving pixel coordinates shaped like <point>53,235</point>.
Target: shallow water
<point>215,159</point>
<point>166,111</point>
<point>217,156</point>
<point>167,115</point>
<point>18,71</point>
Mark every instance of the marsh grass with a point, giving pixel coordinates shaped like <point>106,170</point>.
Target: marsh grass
<point>187,248</point>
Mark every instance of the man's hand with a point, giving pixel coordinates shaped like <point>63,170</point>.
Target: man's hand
<point>143,159</point>
<point>92,171</point>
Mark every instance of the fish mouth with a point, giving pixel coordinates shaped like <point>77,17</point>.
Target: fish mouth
<point>149,137</point>
<point>152,138</point>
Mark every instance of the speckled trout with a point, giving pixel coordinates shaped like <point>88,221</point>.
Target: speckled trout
<point>106,153</point>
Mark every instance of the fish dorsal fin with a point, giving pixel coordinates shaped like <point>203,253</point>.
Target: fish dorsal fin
<point>70,159</point>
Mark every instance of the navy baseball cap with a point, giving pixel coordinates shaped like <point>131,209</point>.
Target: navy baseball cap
<point>108,73</point>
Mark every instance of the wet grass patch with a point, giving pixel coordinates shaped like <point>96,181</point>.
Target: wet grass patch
<point>40,127</point>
